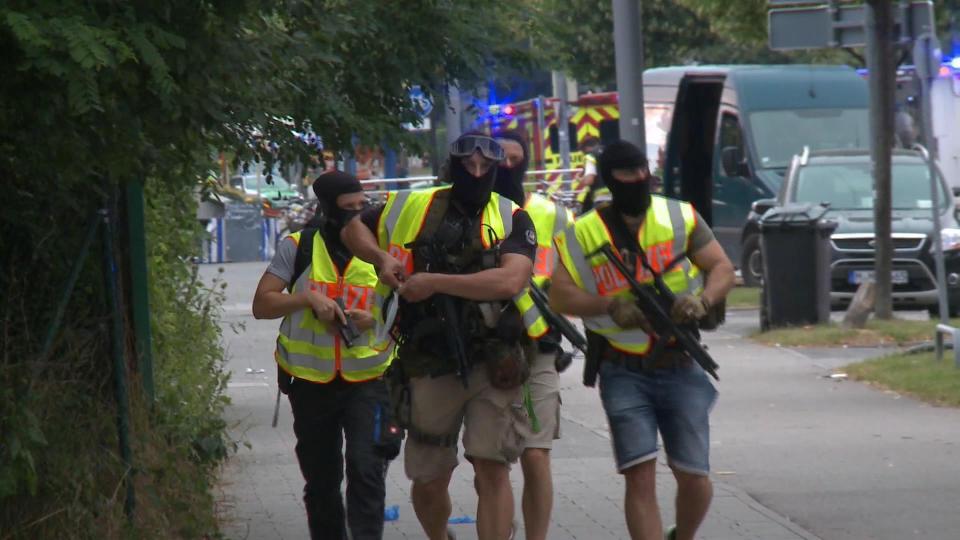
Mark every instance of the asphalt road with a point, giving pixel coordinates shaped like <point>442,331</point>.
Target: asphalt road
<point>841,459</point>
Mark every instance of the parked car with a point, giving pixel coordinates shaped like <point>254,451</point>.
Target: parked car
<point>842,178</point>
<point>278,191</point>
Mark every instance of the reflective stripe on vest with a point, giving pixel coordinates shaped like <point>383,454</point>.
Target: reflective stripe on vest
<point>549,219</point>
<point>402,219</point>
<point>310,349</point>
<point>664,234</point>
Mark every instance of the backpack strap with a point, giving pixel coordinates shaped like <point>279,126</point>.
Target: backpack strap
<point>304,254</point>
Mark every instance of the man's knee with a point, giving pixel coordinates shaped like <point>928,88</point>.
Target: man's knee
<point>534,460</point>
<point>692,481</point>
<point>641,478</point>
<point>489,474</point>
<point>535,455</point>
<point>434,487</point>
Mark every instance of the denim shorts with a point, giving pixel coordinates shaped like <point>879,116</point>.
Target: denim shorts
<point>676,400</point>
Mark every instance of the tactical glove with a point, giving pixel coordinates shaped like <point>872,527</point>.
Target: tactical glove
<point>689,308</point>
<point>626,314</point>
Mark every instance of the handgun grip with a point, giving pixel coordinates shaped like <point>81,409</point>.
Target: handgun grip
<point>349,331</point>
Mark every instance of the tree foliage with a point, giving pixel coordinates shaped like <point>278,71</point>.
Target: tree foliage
<point>577,36</point>
<point>136,78</point>
<point>98,92</point>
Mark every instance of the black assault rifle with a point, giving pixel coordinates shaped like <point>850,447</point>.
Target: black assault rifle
<point>663,325</point>
<point>436,255</point>
<point>560,323</point>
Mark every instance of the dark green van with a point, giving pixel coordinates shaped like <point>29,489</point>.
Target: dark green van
<point>722,137</point>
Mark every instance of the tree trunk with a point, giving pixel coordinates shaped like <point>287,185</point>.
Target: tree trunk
<point>880,61</point>
<point>861,306</point>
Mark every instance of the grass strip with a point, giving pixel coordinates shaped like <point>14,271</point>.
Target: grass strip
<point>876,333</point>
<point>744,298</point>
<point>917,375</point>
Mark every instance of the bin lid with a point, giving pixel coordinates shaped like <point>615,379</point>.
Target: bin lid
<point>799,214</point>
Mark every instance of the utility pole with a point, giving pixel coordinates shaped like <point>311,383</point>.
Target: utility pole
<point>563,122</point>
<point>628,48</point>
<point>879,26</point>
<point>453,114</point>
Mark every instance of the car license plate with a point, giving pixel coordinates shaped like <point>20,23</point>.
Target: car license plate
<point>897,277</point>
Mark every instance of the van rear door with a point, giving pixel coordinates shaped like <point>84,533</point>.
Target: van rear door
<point>688,174</point>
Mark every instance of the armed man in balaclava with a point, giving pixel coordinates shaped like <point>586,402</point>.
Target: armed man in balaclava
<point>332,377</point>
<point>454,262</point>
<point>645,392</point>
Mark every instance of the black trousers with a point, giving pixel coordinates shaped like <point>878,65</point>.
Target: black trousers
<point>323,416</point>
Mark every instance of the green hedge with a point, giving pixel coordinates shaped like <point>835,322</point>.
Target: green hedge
<point>61,474</point>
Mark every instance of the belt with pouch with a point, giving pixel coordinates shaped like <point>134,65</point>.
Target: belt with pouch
<point>667,359</point>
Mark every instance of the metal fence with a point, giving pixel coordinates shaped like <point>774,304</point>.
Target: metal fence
<point>243,234</point>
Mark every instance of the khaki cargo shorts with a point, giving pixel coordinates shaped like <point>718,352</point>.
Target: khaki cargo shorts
<point>544,385</point>
<point>493,419</point>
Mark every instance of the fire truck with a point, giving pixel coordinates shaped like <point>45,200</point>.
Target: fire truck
<point>591,115</point>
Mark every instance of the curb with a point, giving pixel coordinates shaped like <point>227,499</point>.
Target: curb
<point>768,513</point>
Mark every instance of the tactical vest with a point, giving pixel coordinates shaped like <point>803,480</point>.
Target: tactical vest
<point>663,236</point>
<point>313,350</point>
<point>403,219</point>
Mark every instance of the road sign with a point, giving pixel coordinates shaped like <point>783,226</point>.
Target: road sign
<point>832,25</point>
<point>927,56</point>
<point>421,100</point>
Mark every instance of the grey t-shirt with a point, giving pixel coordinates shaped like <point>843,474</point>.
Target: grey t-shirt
<point>701,235</point>
<point>284,259</point>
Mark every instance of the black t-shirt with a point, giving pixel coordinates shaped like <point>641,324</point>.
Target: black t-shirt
<point>522,239</point>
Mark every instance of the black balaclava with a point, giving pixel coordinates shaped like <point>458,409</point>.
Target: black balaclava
<point>471,192</point>
<point>631,199</point>
<point>328,187</point>
<point>509,182</point>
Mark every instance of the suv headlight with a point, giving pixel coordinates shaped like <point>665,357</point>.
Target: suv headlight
<point>950,239</point>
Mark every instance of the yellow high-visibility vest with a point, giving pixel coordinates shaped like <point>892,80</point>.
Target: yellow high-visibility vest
<point>663,236</point>
<point>402,219</point>
<point>550,219</point>
<point>313,350</point>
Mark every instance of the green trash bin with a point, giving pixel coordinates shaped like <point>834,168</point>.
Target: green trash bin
<point>795,246</point>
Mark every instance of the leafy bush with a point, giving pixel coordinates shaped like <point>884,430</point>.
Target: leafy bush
<point>61,474</point>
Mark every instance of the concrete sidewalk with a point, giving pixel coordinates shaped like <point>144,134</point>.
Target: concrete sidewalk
<point>261,486</point>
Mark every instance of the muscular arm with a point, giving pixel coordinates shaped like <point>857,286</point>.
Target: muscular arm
<point>718,271</point>
<point>500,283</point>
<point>361,241</point>
<point>566,297</point>
<point>271,302</point>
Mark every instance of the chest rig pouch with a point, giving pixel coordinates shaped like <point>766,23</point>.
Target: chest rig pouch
<point>450,243</point>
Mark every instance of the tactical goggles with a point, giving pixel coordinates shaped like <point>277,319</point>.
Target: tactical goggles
<point>466,145</point>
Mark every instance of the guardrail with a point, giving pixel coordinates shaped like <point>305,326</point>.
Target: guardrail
<point>943,329</point>
<point>561,194</point>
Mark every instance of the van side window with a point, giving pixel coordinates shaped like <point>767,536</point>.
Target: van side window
<point>730,132</point>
